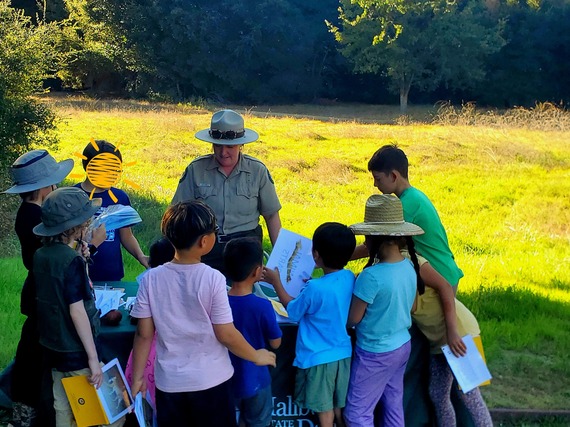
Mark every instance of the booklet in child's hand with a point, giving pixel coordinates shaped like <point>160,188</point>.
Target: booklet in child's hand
<point>292,254</point>
<point>104,405</point>
<point>144,410</point>
<point>469,370</point>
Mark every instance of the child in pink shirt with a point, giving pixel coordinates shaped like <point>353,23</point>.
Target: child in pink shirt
<point>186,303</point>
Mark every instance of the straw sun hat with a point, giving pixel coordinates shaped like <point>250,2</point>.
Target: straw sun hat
<point>227,128</point>
<point>383,216</point>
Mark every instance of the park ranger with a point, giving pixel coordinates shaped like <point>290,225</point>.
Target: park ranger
<point>238,187</point>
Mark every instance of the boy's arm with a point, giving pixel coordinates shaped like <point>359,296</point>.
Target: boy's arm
<point>83,328</point>
<point>230,337</point>
<point>272,277</point>
<point>275,344</point>
<point>141,349</point>
<point>357,310</point>
<point>131,244</point>
<point>436,281</point>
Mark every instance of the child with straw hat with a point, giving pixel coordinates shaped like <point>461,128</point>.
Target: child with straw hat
<point>383,298</point>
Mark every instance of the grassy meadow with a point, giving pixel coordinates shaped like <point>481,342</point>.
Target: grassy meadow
<point>502,189</point>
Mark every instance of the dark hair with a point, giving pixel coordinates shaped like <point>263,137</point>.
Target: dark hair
<point>376,243</point>
<point>33,195</point>
<point>335,244</point>
<point>241,257</point>
<point>160,252</point>
<point>387,159</point>
<point>104,147</point>
<point>184,222</point>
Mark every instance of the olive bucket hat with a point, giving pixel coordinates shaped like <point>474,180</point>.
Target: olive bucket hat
<point>37,169</point>
<point>65,208</point>
<point>227,128</point>
<point>384,216</point>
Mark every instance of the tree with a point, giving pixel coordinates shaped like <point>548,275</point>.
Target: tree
<point>423,44</point>
<point>26,57</point>
<point>246,51</point>
<point>534,64</point>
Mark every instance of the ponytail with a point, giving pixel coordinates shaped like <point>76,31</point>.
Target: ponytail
<point>374,248</point>
<point>412,251</point>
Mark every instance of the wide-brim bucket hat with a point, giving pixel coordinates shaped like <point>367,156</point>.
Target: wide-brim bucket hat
<point>65,208</point>
<point>384,216</point>
<point>227,128</point>
<point>37,169</point>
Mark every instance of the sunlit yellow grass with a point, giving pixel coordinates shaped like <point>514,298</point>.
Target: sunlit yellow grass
<point>503,194</point>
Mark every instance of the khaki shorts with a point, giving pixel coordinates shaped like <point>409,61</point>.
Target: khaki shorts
<point>323,387</point>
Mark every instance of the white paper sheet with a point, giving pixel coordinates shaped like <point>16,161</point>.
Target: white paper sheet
<point>108,299</point>
<point>469,370</point>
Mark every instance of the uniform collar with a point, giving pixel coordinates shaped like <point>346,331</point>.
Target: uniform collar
<point>213,164</point>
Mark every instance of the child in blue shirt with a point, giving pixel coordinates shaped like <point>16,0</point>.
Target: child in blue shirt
<point>384,295</point>
<point>255,319</point>
<point>323,349</point>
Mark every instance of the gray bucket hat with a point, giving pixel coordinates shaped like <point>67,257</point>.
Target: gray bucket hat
<point>37,169</point>
<point>384,216</point>
<point>65,208</point>
<point>227,128</point>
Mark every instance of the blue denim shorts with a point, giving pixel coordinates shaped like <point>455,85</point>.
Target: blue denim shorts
<point>256,411</point>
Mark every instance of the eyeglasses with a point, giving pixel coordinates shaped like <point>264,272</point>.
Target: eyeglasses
<point>228,134</point>
<point>216,229</point>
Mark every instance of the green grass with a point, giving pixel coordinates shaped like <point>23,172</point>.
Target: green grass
<point>501,191</point>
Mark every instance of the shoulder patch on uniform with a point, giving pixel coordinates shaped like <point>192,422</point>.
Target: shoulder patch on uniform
<point>183,176</point>
<point>270,177</point>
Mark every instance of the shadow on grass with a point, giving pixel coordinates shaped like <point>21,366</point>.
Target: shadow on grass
<point>526,344</point>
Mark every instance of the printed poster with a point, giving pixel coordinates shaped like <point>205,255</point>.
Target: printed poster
<point>292,255</point>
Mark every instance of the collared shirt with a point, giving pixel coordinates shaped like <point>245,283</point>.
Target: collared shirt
<point>238,199</point>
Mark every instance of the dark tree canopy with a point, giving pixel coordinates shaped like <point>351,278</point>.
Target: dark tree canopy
<point>503,53</point>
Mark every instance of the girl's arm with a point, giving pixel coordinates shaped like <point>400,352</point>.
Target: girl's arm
<point>83,328</point>
<point>229,336</point>
<point>141,349</point>
<point>357,310</point>
<point>361,251</point>
<point>436,281</point>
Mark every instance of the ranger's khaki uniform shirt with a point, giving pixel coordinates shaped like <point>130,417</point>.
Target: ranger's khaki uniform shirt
<point>238,199</point>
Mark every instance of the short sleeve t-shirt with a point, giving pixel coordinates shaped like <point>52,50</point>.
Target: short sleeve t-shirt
<point>255,319</point>
<point>76,289</point>
<point>184,301</point>
<point>322,312</point>
<point>390,290</point>
<point>433,244</point>
<point>108,261</point>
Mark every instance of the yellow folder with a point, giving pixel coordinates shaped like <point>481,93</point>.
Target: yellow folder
<point>479,343</point>
<point>101,406</point>
<point>84,401</point>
